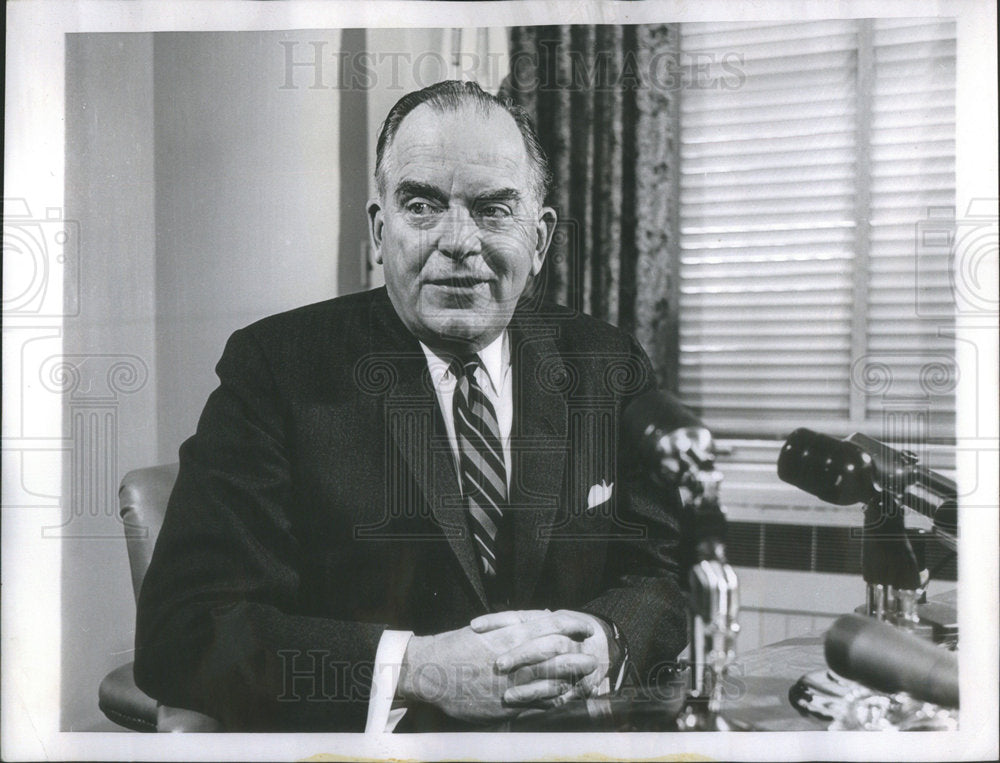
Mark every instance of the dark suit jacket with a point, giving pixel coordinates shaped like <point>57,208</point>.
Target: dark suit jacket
<point>317,505</point>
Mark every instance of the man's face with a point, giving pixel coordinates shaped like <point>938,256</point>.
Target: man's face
<point>459,229</point>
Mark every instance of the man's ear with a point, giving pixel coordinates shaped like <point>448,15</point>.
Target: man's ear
<point>375,223</point>
<point>544,228</point>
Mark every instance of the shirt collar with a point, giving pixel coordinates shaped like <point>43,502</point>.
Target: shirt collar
<point>495,359</point>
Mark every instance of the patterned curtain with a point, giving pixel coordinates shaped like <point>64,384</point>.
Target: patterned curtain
<point>602,99</point>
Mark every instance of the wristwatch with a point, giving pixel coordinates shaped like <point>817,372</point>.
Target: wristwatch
<point>617,669</point>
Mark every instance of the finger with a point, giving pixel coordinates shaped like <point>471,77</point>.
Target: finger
<point>537,650</point>
<point>536,691</point>
<point>567,667</point>
<point>495,620</point>
<point>564,622</point>
<point>576,691</point>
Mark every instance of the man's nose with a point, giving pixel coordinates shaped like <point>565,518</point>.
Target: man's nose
<point>458,234</point>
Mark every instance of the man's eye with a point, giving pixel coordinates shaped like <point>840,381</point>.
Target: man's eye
<point>494,211</point>
<point>421,208</point>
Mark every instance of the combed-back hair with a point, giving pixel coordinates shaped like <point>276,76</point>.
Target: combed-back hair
<point>452,95</point>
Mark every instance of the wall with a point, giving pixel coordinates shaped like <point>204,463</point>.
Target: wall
<point>394,76</point>
<point>247,192</point>
<point>207,195</point>
<point>110,193</point>
<point>780,604</point>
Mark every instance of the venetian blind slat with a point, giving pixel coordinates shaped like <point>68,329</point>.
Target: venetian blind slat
<point>768,188</point>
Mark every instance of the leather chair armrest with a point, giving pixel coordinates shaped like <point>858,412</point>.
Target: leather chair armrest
<point>127,705</point>
<point>124,702</point>
<point>178,719</point>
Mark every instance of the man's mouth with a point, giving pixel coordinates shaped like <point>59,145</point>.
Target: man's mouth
<point>458,282</point>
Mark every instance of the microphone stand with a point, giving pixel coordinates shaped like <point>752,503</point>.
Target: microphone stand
<point>713,603</point>
<point>889,565</point>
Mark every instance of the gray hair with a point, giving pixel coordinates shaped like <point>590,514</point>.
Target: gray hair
<point>451,95</point>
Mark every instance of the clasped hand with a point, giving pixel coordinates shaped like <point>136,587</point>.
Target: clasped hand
<point>504,662</point>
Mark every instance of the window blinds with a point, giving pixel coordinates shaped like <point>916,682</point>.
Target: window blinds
<point>803,185</point>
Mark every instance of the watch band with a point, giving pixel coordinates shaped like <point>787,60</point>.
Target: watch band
<point>616,672</point>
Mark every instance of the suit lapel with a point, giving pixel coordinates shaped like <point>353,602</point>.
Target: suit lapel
<point>538,451</point>
<point>416,430</point>
<point>538,444</point>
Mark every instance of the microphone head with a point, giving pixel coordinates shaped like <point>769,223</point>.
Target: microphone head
<point>647,423</point>
<point>889,659</point>
<point>655,410</point>
<point>835,471</point>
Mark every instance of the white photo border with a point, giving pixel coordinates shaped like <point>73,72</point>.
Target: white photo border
<point>34,169</point>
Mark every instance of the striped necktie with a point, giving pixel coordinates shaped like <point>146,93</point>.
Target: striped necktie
<point>481,462</point>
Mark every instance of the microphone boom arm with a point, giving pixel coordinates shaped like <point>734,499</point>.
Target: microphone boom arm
<point>713,588</point>
<point>678,453</point>
<point>860,469</point>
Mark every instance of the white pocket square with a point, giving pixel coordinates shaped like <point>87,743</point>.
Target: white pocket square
<point>599,494</point>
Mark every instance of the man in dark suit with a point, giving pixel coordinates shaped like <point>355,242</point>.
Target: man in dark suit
<point>413,501</point>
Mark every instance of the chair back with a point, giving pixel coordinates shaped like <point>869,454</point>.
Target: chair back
<point>142,503</point>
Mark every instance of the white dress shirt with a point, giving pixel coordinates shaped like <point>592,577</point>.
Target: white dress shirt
<point>494,378</point>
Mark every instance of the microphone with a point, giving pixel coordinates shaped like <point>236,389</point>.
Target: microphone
<point>835,471</point>
<point>891,660</point>
<point>842,473</point>
<point>859,469</point>
<point>670,440</point>
<point>914,486</point>
<point>677,450</point>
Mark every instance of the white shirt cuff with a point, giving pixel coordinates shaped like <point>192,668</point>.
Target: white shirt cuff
<point>382,717</point>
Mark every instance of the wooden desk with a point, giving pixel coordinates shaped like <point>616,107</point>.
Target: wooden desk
<point>760,679</point>
<point>758,684</point>
<point>757,691</point>
<point>757,687</point>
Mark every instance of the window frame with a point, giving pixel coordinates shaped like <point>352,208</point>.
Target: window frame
<point>899,417</point>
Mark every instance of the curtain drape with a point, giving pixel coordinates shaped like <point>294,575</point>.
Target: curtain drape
<point>604,100</point>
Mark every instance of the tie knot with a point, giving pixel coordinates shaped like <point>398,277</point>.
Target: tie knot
<point>465,365</point>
